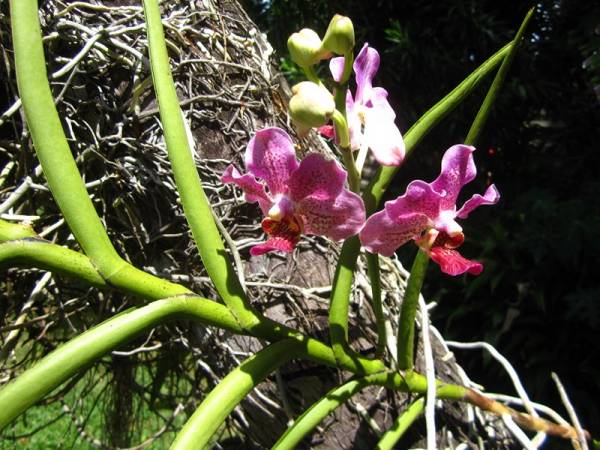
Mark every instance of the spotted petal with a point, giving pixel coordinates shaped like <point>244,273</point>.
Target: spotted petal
<point>453,263</point>
<point>337,219</point>
<point>419,198</point>
<point>490,197</point>
<point>402,219</point>
<point>270,155</point>
<point>383,234</point>
<point>274,243</point>
<point>458,168</point>
<point>317,177</point>
<point>253,190</point>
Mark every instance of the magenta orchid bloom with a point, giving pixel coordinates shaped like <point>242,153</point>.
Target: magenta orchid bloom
<point>370,116</point>
<point>426,213</point>
<point>307,197</point>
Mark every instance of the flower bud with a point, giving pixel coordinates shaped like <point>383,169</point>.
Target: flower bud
<point>311,105</point>
<point>339,37</point>
<point>305,47</point>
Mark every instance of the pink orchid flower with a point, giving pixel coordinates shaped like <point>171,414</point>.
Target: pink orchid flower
<point>296,198</point>
<point>426,213</point>
<point>370,116</point>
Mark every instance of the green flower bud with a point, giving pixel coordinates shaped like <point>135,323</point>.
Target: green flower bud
<point>311,105</point>
<point>305,47</point>
<point>339,37</point>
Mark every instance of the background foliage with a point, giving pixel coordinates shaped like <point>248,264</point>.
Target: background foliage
<point>538,297</point>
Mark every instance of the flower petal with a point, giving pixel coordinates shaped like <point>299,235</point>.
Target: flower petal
<point>274,243</point>
<point>383,137</point>
<point>326,131</point>
<point>458,168</point>
<point>253,190</point>
<point>270,155</point>
<point>317,177</point>
<point>354,123</point>
<point>337,219</point>
<point>490,197</point>
<point>379,100</point>
<point>283,235</point>
<point>453,263</point>
<point>419,198</point>
<point>365,68</point>
<point>383,234</point>
<point>336,67</point>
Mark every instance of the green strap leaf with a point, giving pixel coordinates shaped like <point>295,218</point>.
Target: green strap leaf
<point>232,389</point>
<point>406,327</point>
<point>401,424</point>
<point>492,94</point>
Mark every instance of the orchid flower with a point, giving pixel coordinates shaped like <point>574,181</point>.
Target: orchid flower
<point>296,198</point>
<point>370,116</point>
<point>427,213</point>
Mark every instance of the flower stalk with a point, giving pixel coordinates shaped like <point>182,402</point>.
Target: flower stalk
<point>401,425</point>
<point>374,277</point>
<point>232,389</point>
<point>336,397</point>
<point>408,311</point>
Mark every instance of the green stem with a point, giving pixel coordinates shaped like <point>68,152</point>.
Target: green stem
<point>55,155</point>
<point>9,231</point>
<point>492,94</point>
<point>64,362</point>
<point>314,415</point>
<point>343,137</point>
<point>373,270</point>
<point>340,297</point>
<point>428,121</point>
<point>311,75</point>
<point>39,253</point>
<point>219,403</point>
<point>353,173</point>
<point>415,281</point>
<point>401,424</point>
<point>57,367</point>
<point>406,327</point>
<point>339,395</point>
<point>196,206</point>
<point>45,255</point>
